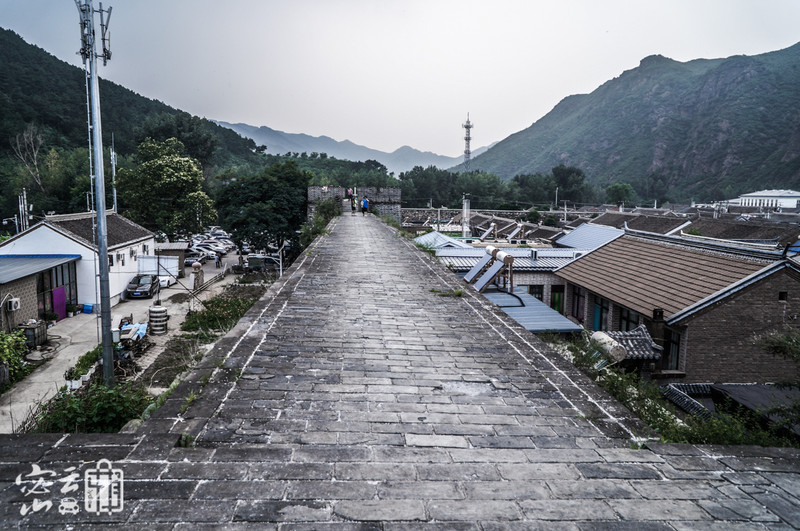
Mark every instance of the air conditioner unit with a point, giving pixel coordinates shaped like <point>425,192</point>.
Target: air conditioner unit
<point>13,304</point>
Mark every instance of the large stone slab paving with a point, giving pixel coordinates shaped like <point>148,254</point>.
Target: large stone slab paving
<point>355,396</point>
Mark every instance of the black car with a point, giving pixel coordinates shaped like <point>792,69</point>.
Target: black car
<point>142,286</point>
<point>194,256</point>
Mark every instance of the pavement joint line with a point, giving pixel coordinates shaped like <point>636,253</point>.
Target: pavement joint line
<point>263,338</point>
<point>608,415</point>
<point>246,333</point>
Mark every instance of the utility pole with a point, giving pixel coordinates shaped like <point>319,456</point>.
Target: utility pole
<point>114,172</point>
<point>87,51</point>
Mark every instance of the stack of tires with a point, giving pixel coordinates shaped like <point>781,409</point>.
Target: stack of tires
<point>158,320</point>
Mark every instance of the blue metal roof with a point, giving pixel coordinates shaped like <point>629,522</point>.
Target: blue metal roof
<point>589,236</point>
<point>531,313</point>
<point>525,259</point>
<point>16,266</point>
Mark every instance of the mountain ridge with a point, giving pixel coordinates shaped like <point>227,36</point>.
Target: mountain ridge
<point>705,128</point>
<point>401,159</point>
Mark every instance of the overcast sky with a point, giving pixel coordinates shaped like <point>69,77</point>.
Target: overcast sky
<point>388,73</point>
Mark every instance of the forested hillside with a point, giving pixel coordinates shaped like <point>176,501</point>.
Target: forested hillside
<point>704,129</point>
<point>40,91</point>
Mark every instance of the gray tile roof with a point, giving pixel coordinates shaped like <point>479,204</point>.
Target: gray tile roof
<point>14,267</point>
<point>120,230</point>
<point>637,343</point>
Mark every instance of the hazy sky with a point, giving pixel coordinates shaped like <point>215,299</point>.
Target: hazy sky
<point>387,73</point>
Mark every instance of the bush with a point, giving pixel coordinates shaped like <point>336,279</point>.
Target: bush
<point>97,409</point>
<point>12,350</point>
<point>645,400</point>
<point>324,212</point>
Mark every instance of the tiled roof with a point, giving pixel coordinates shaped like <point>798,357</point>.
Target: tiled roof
<point>119,229</point>
<point>589,236</point>
<point>782,233</point>
<point>544,233</point>
<point>655,224</point>
<point>646,273</point>
<point>637,343</point>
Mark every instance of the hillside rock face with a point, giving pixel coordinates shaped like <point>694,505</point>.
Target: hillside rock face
<point>703,129</point>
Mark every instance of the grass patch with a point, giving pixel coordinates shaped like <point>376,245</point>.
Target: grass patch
<point>450,293</point>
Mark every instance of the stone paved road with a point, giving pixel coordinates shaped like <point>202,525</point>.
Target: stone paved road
<point>356,396</point>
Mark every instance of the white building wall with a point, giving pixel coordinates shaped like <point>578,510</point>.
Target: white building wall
<point>45,240</point>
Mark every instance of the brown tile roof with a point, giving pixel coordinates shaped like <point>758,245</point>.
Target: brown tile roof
<point>120,230</point>
<point>655,224</point>
<point>643,274</point>
<point>783,233</point>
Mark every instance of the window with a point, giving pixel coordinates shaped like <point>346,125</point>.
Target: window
<point>783,295</point>
<point>601,307</point>
<point>111,260</point>
<point>672,347</point>
<point>145,250</point>
<point>537,291</point>
<point>578,303</point>
<point>557,298</point>
<point>628,319</point>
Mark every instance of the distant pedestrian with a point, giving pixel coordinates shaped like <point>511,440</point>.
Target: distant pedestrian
<point>350,193</point>
<point>364,206</point>
<point>352,205</point>
<point>216,260</point>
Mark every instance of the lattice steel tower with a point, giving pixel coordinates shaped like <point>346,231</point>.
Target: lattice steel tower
<point>467,151</point>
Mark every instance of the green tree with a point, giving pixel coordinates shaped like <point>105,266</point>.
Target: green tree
<point>571,182</point>
<point>265,209</point>
<point>620,193</point>
<point>164,192</point>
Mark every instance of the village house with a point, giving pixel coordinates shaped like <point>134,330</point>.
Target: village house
<point>54,263</point>
<point>705,303</point>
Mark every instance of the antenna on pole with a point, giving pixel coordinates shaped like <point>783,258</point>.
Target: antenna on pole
<point>87,51</point>
<point>467,138</point>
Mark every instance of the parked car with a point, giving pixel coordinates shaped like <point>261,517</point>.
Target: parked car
<point>142,286</point>
<point>194,256</point>
<point>215,246</point>
<point>205,249</point>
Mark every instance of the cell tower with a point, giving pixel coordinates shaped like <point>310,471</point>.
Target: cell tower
<point>90,56</point>
<point>467,138</point>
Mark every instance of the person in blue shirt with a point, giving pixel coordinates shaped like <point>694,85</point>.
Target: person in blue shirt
<point>364,206</point>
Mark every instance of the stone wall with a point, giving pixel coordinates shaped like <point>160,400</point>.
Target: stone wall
<point>25,290</point>
<point>385,200</point>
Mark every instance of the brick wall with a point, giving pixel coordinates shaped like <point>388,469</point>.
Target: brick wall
<point>719,344</point>
<point>25,290</point>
